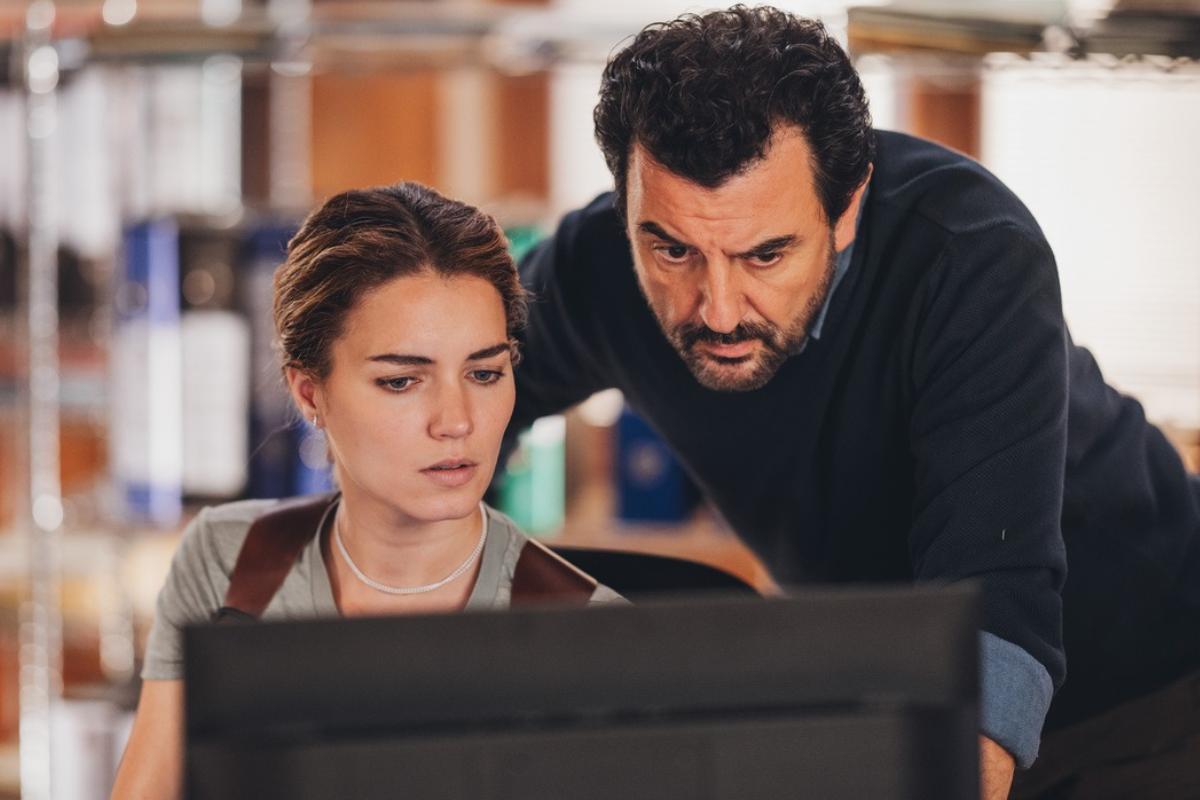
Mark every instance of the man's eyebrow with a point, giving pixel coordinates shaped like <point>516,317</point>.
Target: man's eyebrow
<point>656,230</point>
<point>772,245</point>
<point>488,352</point>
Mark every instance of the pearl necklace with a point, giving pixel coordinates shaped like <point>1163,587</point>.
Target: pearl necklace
<point>429,587</point>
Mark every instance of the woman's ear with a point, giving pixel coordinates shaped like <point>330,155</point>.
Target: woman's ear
<point>306,394</point>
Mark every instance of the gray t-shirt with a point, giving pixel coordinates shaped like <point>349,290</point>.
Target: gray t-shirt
<point>200,570</point>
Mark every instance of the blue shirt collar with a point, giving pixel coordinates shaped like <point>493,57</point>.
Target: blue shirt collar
<point>841,266</point>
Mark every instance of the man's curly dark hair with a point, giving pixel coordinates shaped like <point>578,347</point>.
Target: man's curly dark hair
<point>702,94</point>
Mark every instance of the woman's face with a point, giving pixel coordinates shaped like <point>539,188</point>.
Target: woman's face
<point>419,394</point>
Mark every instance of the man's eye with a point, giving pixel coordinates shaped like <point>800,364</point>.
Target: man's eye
<point>673,252</point>
<point>765,259</point>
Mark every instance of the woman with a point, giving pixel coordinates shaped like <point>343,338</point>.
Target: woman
<point>396,311</point>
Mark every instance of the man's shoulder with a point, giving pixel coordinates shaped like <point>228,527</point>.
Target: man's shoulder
<point>919,180</point>
<point>587,260</point>
<point>596,224</point>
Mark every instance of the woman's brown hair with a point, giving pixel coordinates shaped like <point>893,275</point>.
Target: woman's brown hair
<point>361,239</point>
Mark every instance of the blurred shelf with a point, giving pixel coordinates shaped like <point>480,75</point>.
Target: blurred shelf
<point>890,29</point>
<point>1147,32</point>
<point>169,40</point>
<point>1161,29</point>
<point>362,35</point>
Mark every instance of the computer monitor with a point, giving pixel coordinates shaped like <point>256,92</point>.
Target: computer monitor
<point>827,694</point>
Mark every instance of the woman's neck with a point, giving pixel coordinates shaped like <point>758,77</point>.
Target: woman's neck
<point>394,549</point>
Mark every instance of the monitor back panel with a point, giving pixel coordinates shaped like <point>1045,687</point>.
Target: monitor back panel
<point>880,755</point>
<point>830,695</point>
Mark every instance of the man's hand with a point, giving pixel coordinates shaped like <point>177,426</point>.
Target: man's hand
<point>996,768</point>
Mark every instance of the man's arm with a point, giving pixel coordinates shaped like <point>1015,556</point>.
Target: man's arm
<point>996,769</point>
<point>988,417</point>
<point>558,365</point>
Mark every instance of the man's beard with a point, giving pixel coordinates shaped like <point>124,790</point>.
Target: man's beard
<point>747,373</point>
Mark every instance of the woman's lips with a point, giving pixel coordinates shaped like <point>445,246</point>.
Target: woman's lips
<point>451,476</point>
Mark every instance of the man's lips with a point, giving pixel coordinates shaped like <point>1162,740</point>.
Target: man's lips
<point>736,350</point>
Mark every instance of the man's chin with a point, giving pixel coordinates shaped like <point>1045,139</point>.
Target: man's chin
<point>729,375</point>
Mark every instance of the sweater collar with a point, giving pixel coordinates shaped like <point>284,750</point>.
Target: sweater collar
<point>841,267</point>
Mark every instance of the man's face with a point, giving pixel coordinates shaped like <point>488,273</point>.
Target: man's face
<point>736,274</point>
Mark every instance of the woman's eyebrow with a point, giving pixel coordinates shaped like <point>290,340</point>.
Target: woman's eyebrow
<point>402,360</point>
<point>488,352</point>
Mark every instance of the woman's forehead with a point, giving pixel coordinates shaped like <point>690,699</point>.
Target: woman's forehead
<point>437,317</point>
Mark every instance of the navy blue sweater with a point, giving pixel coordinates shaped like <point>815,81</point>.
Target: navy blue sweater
<point>943,427</point>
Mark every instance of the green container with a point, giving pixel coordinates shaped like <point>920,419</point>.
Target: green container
<point>533,488</point>
<point>522,239</point>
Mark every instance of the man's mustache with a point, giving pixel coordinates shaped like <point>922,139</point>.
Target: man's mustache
<point>692,334</point>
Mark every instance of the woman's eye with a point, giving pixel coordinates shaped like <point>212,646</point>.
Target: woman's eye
<point>396,384</point>
<point>486,376</point>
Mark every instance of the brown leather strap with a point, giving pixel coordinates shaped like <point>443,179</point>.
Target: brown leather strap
<point>275,540</point>
<point>543,576</point>
<point>271,547</point>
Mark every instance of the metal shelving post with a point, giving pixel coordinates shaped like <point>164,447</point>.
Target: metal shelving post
<point>290,106</point>
<point>41,622</point>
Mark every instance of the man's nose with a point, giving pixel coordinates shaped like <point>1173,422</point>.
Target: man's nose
<point>722,303</point>
<point>452,417</point>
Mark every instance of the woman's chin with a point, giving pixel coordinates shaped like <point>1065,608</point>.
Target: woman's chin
<point>449,506</point>
<point>418,501</point>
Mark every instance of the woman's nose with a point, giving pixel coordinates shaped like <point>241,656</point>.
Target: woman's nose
<point>452,417</point>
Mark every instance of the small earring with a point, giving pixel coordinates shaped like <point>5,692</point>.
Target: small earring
<point>315,423</point>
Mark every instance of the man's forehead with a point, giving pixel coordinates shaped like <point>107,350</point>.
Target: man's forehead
<point>772,197</point>
<point>782,178</point>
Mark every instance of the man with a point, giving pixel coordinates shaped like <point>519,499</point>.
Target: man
<point>854,341</point>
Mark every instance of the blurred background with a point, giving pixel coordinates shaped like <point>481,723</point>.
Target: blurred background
<point>155,156</point>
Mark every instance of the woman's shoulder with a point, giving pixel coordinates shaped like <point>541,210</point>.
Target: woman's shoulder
<point>216,533</point>
<point>518,541</point>
<point>500,523</point>
<point>240,513</point>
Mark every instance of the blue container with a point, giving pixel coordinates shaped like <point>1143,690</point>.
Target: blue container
<point>145,432</point>
<point>651,483</point>
<point>276,436</point>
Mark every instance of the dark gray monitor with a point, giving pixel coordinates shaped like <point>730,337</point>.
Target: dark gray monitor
<point>828,694</point>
